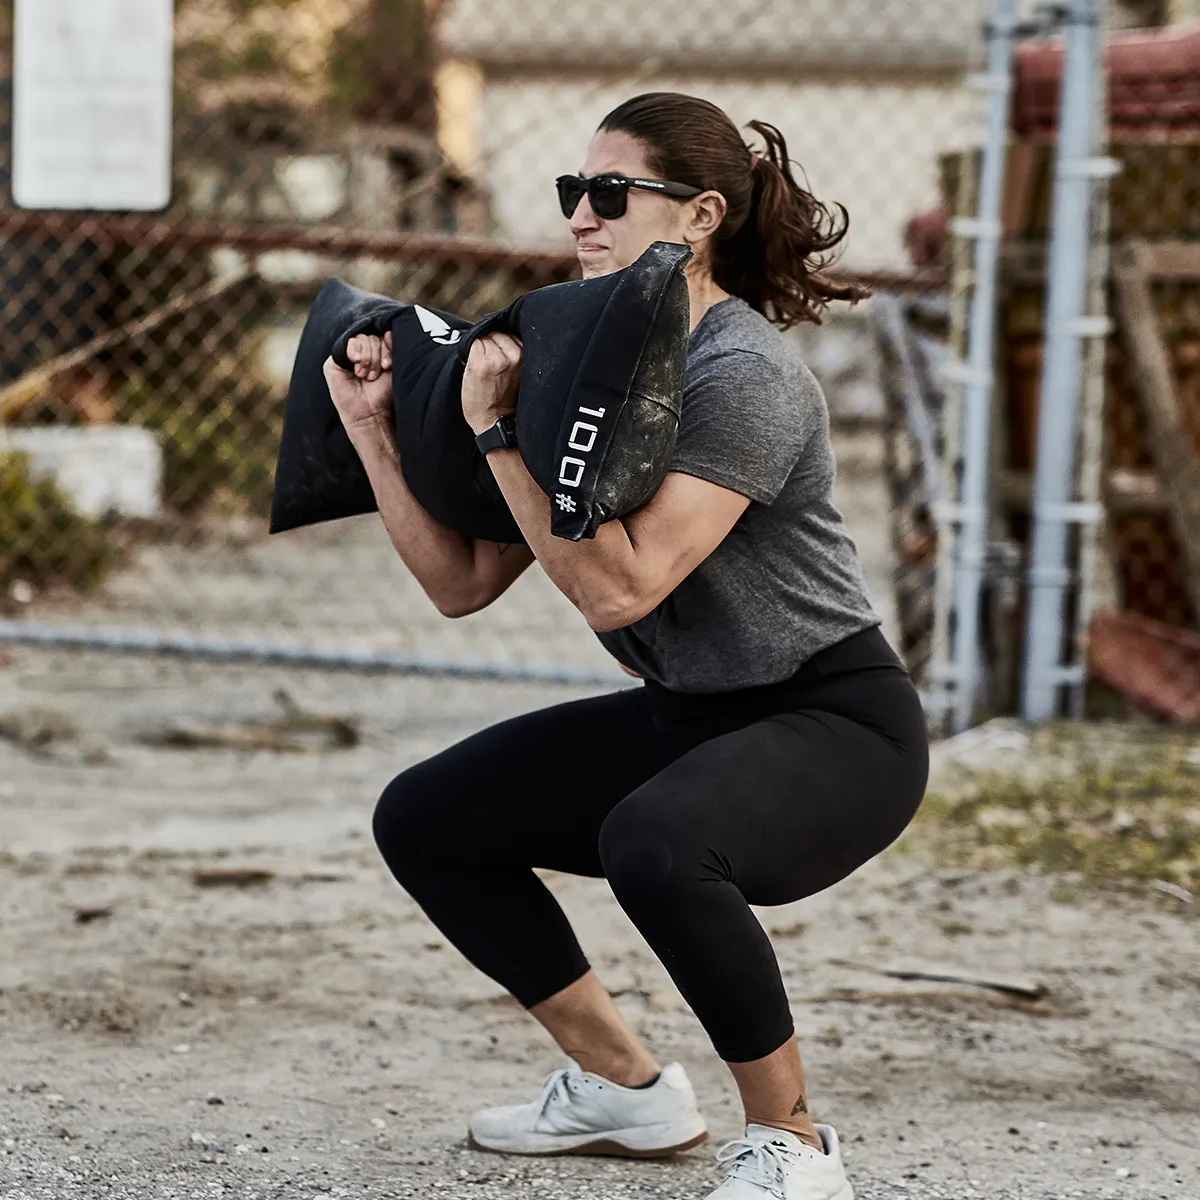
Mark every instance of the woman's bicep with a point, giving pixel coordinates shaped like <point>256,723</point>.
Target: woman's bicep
<point>682,525</point>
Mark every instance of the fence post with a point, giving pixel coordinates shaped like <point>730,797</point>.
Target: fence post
<point>976,373</point>
<point>1076,167</point>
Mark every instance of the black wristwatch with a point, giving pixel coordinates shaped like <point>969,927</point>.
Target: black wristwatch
<point>501,436</point>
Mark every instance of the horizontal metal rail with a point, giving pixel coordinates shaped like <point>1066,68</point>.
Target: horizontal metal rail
<point>223,650</point>
<point>337,242</point>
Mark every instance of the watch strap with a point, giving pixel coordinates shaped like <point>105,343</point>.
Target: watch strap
<point>501,436</point>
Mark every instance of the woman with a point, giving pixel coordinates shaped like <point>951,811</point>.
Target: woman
<point>776,742</point>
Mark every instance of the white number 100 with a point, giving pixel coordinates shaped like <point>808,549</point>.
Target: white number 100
<point>570,470</point>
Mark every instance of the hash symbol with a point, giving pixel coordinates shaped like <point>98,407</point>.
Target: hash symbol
<point>566,503</point>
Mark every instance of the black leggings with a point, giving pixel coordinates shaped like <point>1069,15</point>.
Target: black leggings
<point>693,807</point>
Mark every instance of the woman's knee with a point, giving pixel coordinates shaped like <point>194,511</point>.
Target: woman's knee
<point>404,819</point>
<point>644,854</point>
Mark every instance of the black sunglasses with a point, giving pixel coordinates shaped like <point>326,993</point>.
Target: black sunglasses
<point>609,194</point>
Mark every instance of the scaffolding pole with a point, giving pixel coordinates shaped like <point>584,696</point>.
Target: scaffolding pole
<point>1067,325</point>
<point>1095,384</point>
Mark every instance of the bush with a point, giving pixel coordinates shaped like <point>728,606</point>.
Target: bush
<point>42,539</point>
<point>219,438</point>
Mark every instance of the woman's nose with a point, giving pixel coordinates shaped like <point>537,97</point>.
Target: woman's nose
<point>583,220</point>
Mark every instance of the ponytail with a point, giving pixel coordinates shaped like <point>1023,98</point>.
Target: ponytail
<point>776,259</point>
<point>774,246</point>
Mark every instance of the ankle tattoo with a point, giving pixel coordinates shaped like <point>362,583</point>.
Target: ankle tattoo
<point>800,1106</point>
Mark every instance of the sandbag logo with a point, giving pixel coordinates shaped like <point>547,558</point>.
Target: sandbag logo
<point>438,328</point>
<point>566,503</point>
<point>583,438</point>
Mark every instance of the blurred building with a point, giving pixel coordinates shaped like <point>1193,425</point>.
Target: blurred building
<point>867,92</point>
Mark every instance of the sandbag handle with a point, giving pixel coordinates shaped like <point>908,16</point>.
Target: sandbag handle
<point>377,324</point>
<point>504,321</point>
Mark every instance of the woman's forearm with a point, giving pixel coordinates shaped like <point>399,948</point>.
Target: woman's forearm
<point>605,577</point>
<point>443,561</point>
<point>601,576</point>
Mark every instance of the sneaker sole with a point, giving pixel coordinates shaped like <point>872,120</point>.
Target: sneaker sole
<point>605,1146</point>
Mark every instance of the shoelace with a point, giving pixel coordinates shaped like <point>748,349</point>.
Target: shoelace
<point>556,1088</point>
<point>758,1162</point>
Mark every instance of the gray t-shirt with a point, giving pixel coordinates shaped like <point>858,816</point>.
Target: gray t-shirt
<point>785,581</point>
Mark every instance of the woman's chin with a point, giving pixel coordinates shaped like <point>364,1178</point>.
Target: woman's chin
<point>594,263</point>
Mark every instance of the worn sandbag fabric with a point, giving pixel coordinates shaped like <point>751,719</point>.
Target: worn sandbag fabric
<point>597,416</point>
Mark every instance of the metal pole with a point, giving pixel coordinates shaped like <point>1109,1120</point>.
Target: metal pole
<point>977,371</point>
<point>1049,575</point>
<point>1095,386</point>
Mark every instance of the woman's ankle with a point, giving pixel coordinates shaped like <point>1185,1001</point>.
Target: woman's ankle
<point>806,1131</point>
<point>627,1072</point>
<point>585,1022</point>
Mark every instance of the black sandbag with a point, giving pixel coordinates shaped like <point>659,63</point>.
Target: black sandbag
<point>601,385</point>
<point>318,475</point>
<point>597,416</point>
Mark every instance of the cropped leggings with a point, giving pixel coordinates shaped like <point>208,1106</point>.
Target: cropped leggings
<point>693,807</point>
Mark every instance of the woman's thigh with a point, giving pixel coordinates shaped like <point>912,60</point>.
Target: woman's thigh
<point>783,807</point>
<point>531,791</point>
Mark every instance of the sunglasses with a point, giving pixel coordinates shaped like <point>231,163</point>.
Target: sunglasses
<point>609,194</point>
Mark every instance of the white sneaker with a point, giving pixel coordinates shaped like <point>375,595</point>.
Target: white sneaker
<point>771,1162</point>
<point>582,1113</point>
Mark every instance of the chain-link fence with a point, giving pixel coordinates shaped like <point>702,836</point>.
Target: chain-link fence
<point>1143,446</point>
<point>410,147</point>
<point>1133,557</point>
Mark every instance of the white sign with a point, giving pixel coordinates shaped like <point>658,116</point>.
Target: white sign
<point>92,104</point>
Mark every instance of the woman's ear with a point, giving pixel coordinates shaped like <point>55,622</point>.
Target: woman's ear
<point>708,211</point>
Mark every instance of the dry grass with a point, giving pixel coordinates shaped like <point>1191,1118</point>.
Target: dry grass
<point>1120,806</point>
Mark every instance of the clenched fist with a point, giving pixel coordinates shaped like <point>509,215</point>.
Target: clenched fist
<point>363,396</point>
<point>491,380</point>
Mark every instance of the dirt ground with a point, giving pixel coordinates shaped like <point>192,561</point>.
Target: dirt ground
<point>210,986</point>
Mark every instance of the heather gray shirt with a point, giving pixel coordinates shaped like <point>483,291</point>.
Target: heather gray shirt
<point>785,582</point>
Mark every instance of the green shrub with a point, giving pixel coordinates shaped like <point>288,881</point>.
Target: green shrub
<point>42,539</point>
<point>219,442</point>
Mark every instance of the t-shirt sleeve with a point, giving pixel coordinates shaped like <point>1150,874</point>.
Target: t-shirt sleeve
<point>742,428</point>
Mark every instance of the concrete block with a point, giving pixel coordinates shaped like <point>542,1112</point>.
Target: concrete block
<point>102,469</point>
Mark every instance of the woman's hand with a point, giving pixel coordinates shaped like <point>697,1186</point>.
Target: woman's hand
<point>491,380</point>
<point>363,396</point>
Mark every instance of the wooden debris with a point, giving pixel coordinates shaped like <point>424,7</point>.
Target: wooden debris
<point>85,916</point>
<point>1154,663</point>
<point>295,732</point>
<point>1173,889</point>
<point>21,392</point>
<point>37,728</point>
<point>237,877</point>
<point>1021,987</point>
<point>948,1000</point>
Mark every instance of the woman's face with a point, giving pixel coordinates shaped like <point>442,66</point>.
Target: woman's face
<point>606,246</point>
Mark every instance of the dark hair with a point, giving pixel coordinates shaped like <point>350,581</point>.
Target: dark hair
<point>772,248</point>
